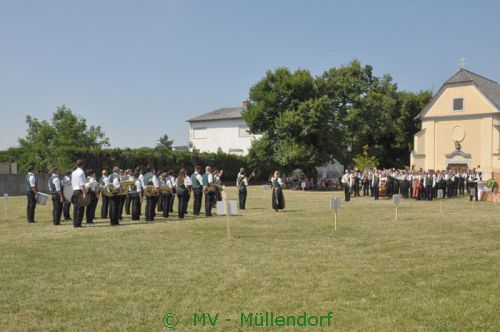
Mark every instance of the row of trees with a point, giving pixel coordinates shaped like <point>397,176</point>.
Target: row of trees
<point>307,121</point>
<point>67,137</point>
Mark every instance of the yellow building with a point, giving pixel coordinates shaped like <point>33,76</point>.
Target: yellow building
<point>460,126</point>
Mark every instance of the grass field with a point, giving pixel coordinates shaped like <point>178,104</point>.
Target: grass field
<point>428,271</point>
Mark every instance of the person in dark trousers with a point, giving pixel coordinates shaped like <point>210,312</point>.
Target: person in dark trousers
<point>375,184</point>
<point>150,179</point>
<point>208,180</point>
<point>135,193</point>
<point>346,182</point>
<point>103,181</point>
<point>78,181</point>
<point>55,190</point>
<point>181,191</point>
<point>242,184</point>
<point>66,180</point>
<point>92,196</point>
<point>114,201</point>
<point>197,182</point>
<point>31,193</point>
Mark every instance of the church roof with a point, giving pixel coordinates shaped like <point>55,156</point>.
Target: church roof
<point>489,88</point>
<point>228,113</point>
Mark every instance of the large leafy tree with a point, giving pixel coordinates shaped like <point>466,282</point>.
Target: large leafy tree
<point>46,143</point>
<point>298,125</point>
<point>306,121</point>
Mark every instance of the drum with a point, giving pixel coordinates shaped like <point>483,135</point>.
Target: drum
<point>68,192</point>
<point>84,201</point>
<point>42,198</point>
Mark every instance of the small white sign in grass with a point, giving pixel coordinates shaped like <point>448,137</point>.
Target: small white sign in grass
<point>335,206</point>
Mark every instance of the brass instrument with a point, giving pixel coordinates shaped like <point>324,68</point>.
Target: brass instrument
<point>213,187</point>
<point>110,190</point>
<point>150,190</point>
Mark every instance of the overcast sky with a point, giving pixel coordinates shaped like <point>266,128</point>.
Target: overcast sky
<point>140,69</point>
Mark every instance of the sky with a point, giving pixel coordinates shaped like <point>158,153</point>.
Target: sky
<point>141,68</point>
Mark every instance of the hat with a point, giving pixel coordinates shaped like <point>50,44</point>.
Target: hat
<point>242,170</point>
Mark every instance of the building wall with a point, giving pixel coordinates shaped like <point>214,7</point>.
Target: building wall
<point>223,134</point>
<point>479,119</point>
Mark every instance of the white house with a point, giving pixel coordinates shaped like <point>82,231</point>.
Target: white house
<point>221,130</point>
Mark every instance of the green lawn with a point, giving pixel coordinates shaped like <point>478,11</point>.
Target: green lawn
<point>428,271</point>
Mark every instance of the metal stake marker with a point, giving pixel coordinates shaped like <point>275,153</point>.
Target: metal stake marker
<point>5,199</point>
<point>228,217</point>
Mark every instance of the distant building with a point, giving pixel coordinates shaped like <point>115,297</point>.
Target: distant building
<point>460,126</point>
<point>221,130</point>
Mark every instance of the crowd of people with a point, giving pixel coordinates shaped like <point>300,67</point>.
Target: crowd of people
<point>124,191</point>
<point>419,185</point>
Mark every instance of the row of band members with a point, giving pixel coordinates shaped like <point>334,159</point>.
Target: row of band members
<point>86,186</point>
<point>419,185</point>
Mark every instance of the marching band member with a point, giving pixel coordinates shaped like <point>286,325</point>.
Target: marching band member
<point>375,184</point>
<point>208,179</point>
<point>78,183</point>
<point>242,184</point>
<point>181,191</point>
<point>218,181</point>
<point>66,204</point>
<point>136,197</point>
<point>187,195</point>
<point>92,196</point>
<point>197,181</point>
<point>172,180</point>
<point>105,201</point>
<point>278,199</point>
<point>346,180</point>
<point>168,195</point>
<point>161,198</point>
<point>31,192</point>
<point>54,187</point>
<point>114,201</point>
<point>150,179</point>
<point>128,175</point>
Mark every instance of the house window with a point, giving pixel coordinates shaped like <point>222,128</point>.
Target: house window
<point>199,133</point>
<point>244,131</point>
<point>458,104</point>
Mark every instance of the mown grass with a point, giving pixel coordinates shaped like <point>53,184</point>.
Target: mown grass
<point>428,271</point>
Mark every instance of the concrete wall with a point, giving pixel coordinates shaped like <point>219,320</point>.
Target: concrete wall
<point>13,184</point>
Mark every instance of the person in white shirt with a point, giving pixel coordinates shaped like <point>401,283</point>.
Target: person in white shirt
<point>31,192</point>
<point>135,192</point>
<point>66,181</point>
<point>92,196</point>
<point>114,201</point>
<point>208,179</point>
<point>197,183</point>
<point>78,181</point>
<point>189,186</point>
<point>346,181</point>
<point>55,190</point>
<point>181,192</point>
<point>150,179</point>
<point>104,181</point>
